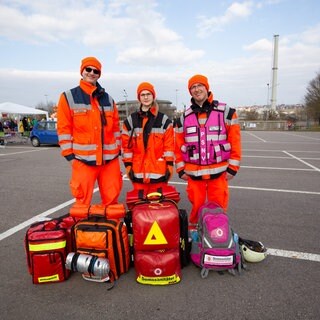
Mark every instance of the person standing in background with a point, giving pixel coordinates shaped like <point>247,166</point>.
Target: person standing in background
<point>20,127</point>
<point>25,124</point>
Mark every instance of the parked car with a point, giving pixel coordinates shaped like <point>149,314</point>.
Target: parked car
<point>44,132</point>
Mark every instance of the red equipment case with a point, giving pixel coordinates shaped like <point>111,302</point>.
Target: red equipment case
<point>47,243</point>
<point>156,242</point>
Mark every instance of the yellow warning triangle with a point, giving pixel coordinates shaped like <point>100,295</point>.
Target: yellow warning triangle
<point>155,235</point>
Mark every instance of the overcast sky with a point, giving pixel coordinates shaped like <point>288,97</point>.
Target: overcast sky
<point>164,42</point>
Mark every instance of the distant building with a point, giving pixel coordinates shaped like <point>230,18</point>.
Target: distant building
<point>127,107</point>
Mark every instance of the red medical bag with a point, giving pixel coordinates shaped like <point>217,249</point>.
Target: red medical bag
<point>166,192</point>
<point>47,244</point>
<point>156,242</point>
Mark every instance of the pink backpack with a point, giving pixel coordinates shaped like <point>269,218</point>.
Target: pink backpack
<point>216,246</point>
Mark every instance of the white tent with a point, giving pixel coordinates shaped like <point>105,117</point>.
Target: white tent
<point>9,107</point>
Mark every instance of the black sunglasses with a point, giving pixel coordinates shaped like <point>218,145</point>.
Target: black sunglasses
<point>95,71</point>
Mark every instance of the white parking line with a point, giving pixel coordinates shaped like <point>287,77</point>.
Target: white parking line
<point>304,162</point>
<point>275,190</point>
<point>301,136</point>
<point>294,254</point>
<point>255,188</point>
<point>36,218</point>
<point>277,150</point>
<point>253,135</point>
<point>275,168</point>
<point>34,150</point>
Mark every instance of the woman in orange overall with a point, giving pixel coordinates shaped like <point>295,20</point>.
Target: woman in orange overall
<point>148,143</point>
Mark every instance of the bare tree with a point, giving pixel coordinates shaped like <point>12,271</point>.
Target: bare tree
<point>252,115</point>
<point>270,115</point>
<point>46,106</point>
<point>312,98</point>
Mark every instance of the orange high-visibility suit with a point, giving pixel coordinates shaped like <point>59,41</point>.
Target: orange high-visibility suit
<point>147,149</point>
<point>89,134</point>
<point>208,182</point>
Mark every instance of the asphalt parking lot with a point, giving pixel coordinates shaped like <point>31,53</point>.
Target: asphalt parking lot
<point>274,199</point>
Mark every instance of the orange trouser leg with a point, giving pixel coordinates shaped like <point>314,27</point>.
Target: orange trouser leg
<point>197,194</point>
<point>110,182</point>
<point>218,191</point>
<point>83,178</point>
<point>199,191</point>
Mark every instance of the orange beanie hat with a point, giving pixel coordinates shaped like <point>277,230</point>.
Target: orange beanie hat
<point>145,86</point>
<point>90,61</point>
<point>198,78</point>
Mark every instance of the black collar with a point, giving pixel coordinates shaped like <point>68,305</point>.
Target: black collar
<point>206,107</point>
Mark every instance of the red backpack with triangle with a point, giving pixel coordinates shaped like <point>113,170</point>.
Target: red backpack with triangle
<point>156,241</point>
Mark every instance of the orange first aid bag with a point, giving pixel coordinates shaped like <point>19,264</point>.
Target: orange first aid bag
<point>105,238</point>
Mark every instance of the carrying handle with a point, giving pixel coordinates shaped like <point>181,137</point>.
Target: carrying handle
<point>112,211</point>
<point>97,210</point>
<point>154,196</point>
<point>79,210</point>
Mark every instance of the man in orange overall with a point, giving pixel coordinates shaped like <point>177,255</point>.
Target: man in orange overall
<point>207,147</point>
<point>148,143</point>
<point>89,136</point>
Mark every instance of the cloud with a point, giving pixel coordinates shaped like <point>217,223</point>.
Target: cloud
<point>310,36</point>
<point>260,45</point>
<point>246,77</point>
<point>138,44</point>
<point>235,11</point>
<point>131,28</point>
<point>165,55</point>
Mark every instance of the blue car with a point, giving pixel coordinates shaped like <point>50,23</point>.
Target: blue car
<point>44,132</point>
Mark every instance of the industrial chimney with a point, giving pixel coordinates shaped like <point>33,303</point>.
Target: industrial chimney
<point>274,73</point>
